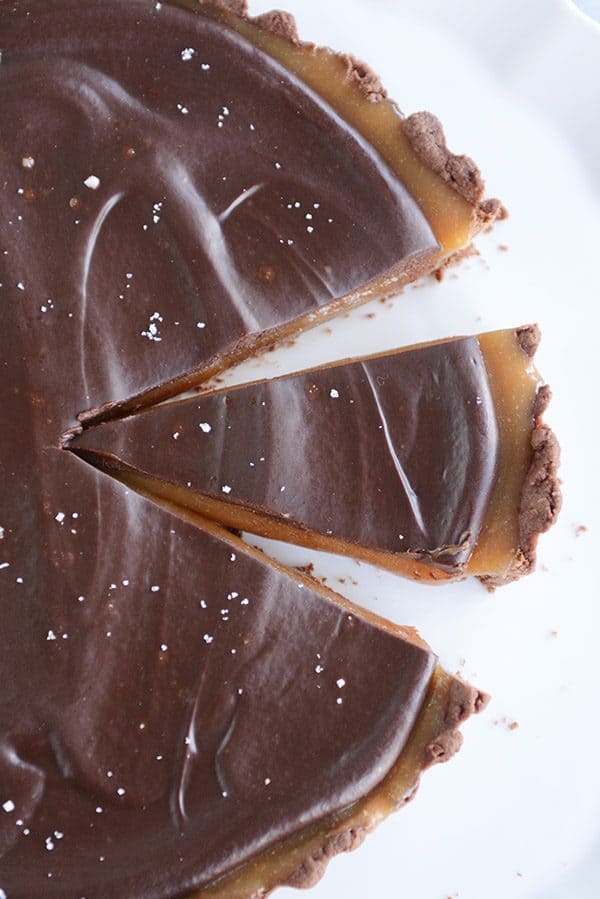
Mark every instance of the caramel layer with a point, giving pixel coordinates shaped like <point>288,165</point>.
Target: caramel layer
<point>514,382</point>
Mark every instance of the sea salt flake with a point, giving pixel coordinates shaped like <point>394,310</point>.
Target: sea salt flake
<point>187,54</point>
<point>205,427</point>
<point>205,66</point>
<point>340,682</point>
<point>93,182</point>
<point>226,488</point>
<point>163,647</point>
<point>201,324</point>
<point>28,162</point>
<point>51,635</point>
<point>319,669</point>
<point>334,394</point>
<point>267,781</point>
<point>8,806</point>
<point>208,638</point>
<point>4,565</point>
<point>154,589</point>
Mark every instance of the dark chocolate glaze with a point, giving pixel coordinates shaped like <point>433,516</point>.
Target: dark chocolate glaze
<point>125,633</point>
<point>396,454</point>
<point>180,187</point>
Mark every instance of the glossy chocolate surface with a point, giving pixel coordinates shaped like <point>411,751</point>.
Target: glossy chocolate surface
<point>396,454</point>
<point>147,668</point>
<point>179,187</point>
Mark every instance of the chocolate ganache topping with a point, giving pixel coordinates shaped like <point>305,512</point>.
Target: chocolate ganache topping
<point>171,703</point>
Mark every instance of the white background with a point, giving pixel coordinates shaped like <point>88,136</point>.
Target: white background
<point>517,86</point>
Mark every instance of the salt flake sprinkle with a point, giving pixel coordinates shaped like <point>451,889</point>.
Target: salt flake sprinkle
<point>205,427</point>
<point>93,182</point>
<point>8,806</point>
<point>153,334</point>
<point>334,394</point>
<point>187,54</point>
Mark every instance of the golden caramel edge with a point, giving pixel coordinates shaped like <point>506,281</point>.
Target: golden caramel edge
<point>452,217</point>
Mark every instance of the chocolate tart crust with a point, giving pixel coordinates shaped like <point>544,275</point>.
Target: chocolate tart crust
<point>541,497</point>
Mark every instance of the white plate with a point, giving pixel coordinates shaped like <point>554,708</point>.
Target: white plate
<point>517,85</point>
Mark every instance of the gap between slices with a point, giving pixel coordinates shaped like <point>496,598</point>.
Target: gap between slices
<point>431,461</point>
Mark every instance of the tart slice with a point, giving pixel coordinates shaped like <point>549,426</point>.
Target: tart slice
<point>180,714</point>
<point>431,461</point>
<point>203,184</point>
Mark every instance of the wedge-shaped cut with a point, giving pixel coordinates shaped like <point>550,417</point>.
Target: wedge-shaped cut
<point>177,709</point>
<point>431,461</point>
<point>203,185</point>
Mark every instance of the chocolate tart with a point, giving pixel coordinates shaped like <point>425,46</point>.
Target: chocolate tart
<point>431,461</point>
<point>177,712</point>
<point>201,184</point>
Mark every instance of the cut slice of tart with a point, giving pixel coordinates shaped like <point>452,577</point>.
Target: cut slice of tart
<point>431,461</point>
<point>180,714</point>
<point>203,184</point>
